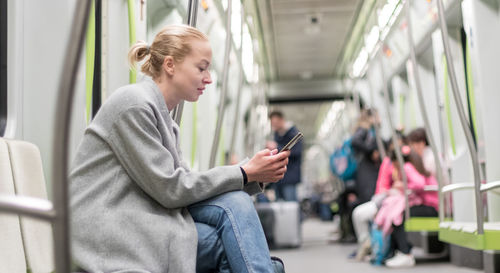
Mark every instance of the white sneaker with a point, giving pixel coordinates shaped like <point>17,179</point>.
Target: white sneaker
<point>400,260</point>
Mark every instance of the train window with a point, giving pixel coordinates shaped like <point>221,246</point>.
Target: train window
<point>3,66</point>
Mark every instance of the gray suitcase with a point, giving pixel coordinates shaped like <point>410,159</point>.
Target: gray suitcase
<point>286,230</point>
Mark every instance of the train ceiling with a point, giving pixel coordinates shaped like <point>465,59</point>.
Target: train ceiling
<point>305,38</point>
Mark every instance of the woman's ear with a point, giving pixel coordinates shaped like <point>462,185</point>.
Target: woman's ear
<point>169,65</point>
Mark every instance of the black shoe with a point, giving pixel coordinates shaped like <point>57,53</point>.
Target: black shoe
<point>278,265</point>
<point>350,239</point>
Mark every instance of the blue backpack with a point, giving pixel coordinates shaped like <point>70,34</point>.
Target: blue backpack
<point>381,246</point>
<point>342,162</point>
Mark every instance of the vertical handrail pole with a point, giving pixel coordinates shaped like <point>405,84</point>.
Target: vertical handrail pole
<point>225,74</point>
<point>378,136</point>
<point>395,141</point>
<point>61,229</point>
<point>240,87</point>
<point>192,11</point>
<point>463,118</point>
<point>425,117</point>
<point>131,36</point>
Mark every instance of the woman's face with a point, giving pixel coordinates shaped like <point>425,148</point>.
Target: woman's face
<point>418,147</point>
<point>192,74</point>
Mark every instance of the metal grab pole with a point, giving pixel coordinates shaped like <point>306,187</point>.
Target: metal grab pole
<point>240,86</point>
<point>395,142</point>
<point>378,137</point>
<point>463,118</point>
<point>225,74</point>
<point>425,117</point>
<point>60,157</point>
<point>191,21</point>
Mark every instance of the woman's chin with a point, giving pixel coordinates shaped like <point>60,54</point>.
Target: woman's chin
<point>193,99</point>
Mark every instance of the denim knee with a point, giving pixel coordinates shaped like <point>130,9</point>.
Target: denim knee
<point>236,201</point>
<point>215,209</point>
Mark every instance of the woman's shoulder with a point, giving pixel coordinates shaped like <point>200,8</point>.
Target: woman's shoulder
<point>131,96</point>
<point>409,168</point>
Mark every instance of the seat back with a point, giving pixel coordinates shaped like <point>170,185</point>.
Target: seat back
<point>12,257</point>
<point>27,172</point>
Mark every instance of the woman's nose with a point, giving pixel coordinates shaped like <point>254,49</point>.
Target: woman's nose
<point>207,79</point>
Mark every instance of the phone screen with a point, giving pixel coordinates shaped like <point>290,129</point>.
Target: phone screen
<point>292,142</point>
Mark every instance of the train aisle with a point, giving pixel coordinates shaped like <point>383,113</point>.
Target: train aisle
<point>316,255</point>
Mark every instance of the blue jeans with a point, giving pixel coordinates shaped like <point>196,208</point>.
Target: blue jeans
<point>233,218</point>
<point>211,256</point>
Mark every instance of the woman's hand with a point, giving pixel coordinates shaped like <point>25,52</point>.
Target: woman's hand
<point>267,166</point>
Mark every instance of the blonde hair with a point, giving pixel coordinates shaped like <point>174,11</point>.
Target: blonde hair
<point>173,40</point>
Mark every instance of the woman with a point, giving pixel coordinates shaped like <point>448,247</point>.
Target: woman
<point>136,206</point>
<point>422,204</point>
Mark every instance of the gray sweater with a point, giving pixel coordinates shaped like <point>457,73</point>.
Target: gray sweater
<point>130,188</point>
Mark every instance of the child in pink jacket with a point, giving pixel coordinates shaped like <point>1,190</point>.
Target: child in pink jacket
<point>422,204</point>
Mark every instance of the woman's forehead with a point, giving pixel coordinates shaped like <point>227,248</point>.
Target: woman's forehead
<point>201,48</point>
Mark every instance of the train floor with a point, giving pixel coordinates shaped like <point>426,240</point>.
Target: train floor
<point>319,255</point>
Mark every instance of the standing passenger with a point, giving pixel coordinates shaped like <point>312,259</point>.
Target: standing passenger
<point>284,131</point>
<point>368,157</point>
<point>136,206</point>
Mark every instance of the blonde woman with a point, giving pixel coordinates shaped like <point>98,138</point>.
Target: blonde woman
<point>136,206</point>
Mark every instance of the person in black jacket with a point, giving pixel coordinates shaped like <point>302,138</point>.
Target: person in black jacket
<point>367,155</point>
<point>284,131</point>
<point>366,151</point>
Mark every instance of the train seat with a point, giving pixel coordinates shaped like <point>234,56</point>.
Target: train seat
<point>12,257</point>
<point>465,234</point>
<point>423,224</point>
<point>28,178</point>
<point>416,224</point>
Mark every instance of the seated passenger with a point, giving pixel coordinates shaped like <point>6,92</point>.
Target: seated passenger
<point>417,139</point>
<point>422,204</point>
<point>136,206</point>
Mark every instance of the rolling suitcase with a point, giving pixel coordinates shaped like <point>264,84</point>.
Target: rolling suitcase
<point>267,219</point>
<point>285,230</point>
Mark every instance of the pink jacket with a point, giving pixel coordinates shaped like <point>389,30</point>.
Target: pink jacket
<point>393,206</point>
<point>416,183</point>
<point>384,180</point>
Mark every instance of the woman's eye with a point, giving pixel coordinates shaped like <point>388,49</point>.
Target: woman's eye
<point>201,69</point>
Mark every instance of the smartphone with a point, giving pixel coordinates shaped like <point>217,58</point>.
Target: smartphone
<point>298,137</point>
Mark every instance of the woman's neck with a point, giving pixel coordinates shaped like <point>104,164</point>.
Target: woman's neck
<point>168,92</point>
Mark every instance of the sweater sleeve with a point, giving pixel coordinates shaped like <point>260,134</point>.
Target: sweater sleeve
<point>137,144</point>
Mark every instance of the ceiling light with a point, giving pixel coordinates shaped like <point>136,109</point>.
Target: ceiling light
<point>386,12</point>
<point>372,38</point>
<point>360,63</point>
